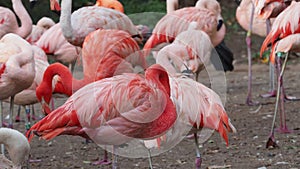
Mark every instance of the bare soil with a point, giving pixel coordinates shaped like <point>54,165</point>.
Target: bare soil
<point>246,148</point>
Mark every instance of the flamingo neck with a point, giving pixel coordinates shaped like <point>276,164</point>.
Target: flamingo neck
<point>65,19</point>
<point>26,22</point>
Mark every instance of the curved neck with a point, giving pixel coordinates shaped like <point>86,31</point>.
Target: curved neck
<point>26,22</point>
<point>65,19</point>
<point>66,85</point>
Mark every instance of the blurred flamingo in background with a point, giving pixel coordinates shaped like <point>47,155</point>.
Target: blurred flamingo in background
<point>105,53</point>
<point>54,43</point>
<point>77,26</point>
<point>37,30</point>
<point>16,68</point>
<point>17,146</point>
<point>101,111</point>
<point>8,20</point>
<point>113,4</point>
<point>284,37</point>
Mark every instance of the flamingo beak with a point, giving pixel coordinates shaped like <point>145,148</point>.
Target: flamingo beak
<point>45,107</point>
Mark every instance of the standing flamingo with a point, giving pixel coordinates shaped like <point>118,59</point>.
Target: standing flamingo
<point>17,146</point>
<point>77,26</point>
<point>255,17</point>
<point>8,20</point>
<point>105,53</point>
<point>16,67</point>
<point>284,37</point>
<point>37,30</point>
<point>115,110</point>
<point>197,107</point>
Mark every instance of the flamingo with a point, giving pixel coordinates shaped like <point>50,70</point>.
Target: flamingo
<point>115,110</point>
<point>37,30</point>
<point>256,17</point>
<point>105,53</point>
<point>17,146</point>
<point>190,49</point>
<point>284,37</point>
<point>113,4</point>
<point>8,20</point>
<point>197,107</point>
<point>77,26</point>
<point>28,96</point>
<point>53,42</point>
<point>16,67</point>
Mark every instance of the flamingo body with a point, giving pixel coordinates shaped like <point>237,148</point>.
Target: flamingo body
<point>121,108</point>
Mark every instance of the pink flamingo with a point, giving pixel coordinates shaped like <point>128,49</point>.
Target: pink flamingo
<point>16,68</point>
<point>37,30</point>
<point>77,26</point>
<point>54,43</point>
<point>105,53</point>
<point>113,4</point>
<point>115,110</point>
<point>28,96</point>
<point>255,17</point>
<point>284,37</point>
<point>191,49</point>
<point>8,20</point>
<point>197,107</point>
<point>17,146</point>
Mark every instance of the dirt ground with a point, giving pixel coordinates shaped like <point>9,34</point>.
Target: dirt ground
<point>246,148</point>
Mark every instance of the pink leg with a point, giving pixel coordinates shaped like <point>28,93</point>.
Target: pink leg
<point>198,159</point>
<point>17,118</point>
<point>283,128</point>
<point>104,161</point>
<point>248,41</point>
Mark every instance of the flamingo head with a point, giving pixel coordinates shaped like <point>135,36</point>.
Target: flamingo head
<point>54,5</point>
<point>44,95</point>
<point>113,4</point>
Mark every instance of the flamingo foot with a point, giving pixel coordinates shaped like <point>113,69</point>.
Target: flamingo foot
<point>269,94</point>
<point>198,162</point>
<point>283,130</point>
<point>4,124</point>
<point>271,142</point>
<point>102,162</point>
<point>17,119</point>
<point>250,102</point>
<point>291,98</point>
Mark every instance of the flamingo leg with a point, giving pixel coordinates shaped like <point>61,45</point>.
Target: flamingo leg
<point>1,125</point>
<point>104,161</point>
<point>198,160</point>
<point>33,117</point>
<point>271,141</point>
<point>283,128</point>
<point>115,158</point>
<point>150,159</point>
<point>27,118</point>
<point>17,118</point>
<point>248,41</point>
<point>11,110</point>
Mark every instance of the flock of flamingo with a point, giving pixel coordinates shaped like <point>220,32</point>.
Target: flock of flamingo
<point>113,104</point>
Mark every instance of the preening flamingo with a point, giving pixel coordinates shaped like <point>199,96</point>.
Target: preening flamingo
<point>37,30</point>
<point>77,26</point>
<point>8,20</point>
<point>17,146</point>
<point>115,110</point>
<point>54,43</point>
<point>105,53</point>
<point>197,107</point>
<point>16,67</point>
<point>284,37</point>
<point>191,49</point>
